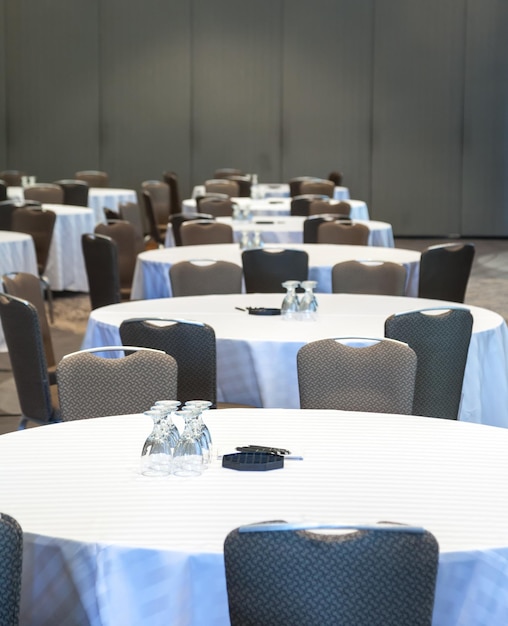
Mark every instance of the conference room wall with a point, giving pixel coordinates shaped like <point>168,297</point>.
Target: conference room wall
<point>3,109</point>
<point>408,99</point>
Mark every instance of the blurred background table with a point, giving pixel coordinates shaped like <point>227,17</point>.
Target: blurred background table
<point>277,190</point>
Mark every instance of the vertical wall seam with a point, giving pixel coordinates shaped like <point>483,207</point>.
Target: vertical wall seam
<point>462,140</point>
<point>100,108</point>
<point>192,114</point>
<point>282,13</point>
<point>372,96</point>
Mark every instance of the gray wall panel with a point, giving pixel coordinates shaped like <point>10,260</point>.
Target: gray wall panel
<point>145,89</point>
<point>236,87</point>
<point>52,87</point>
<point>485,180</point>
<point>417,139</point>
<point>328,90</point>
<point>3,104</point>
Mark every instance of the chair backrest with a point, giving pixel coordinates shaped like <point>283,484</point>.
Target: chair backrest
<point>175,198</point>
<point>312,223</point>
<point>445,270</point>
<point>191,344</point>
<point>131,212</point>
<point>92,385</point>
<point>226,172</point>
<point>374,277</point>
<point>45,192</point>
<point>3,190</point>
<point>7,208</point>
<point>23,336</point>
<point>318,185</point>
<point>101,263</point>
<point>151,221</point>
<point>336,177</point>
<point>339,232</point>
<point>329,206</point>
<point>199,278</point>
<point>300,205</point>
<point>218,207</point>
<point>12,178</point>
<point>351,376</point>
<point>159,194</point>
<point>244,184</point>
<point>197,232</point>
<point>178,219</point>
<point>94,178</point>
<point>28,287</point>
<point>124,235</point>
<point>441,341</point>
<point>222,185</point>
<point>75,192</point>
<point>39,223</point>
<point>305,576</point>
<point>265,270</point>
<point>11,561</point>
<point>295,185</point>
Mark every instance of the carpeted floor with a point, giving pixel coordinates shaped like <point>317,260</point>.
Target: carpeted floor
<point>488,288</point>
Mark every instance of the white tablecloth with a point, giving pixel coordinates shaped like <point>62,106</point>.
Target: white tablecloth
<point>151,276</point>
<point>17,254</point>
<point>290,230</point>
<point>256,355</point>
<point>277,190</point>
<point>66,266</point>
<point>105,546</point>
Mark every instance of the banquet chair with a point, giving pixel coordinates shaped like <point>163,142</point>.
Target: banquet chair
<point>94,178</point>
<point>222,185</point>
<point>101,263</point>
<point>11,561</point>
<point>191,344</point>
<point>159,196</point>
<point>175,199</point>
<point>357,374</point>
<point>337,178</point>
<point>265,270</point>
<point>440,338</point>
<point>7,208</point>
<point>153,229</point>
<point>3,190</point>
<point>45,193</point>
<point>75,192</point>
<point>226,172</point>
<point>28,287</point>
<point>372,277</point>
<point>318,185</point>
<point>244,184</point>
<point>12,178</point>
<point>445,270</point>
<point>40,224</point>
<point>353,575</point>
<point>199,278</point>
<point>295,184</point>
<point>131,212</point>
<point>218,207</point>
<point>37,398</point>
<point>312,223</point>
<point>91,384</point>
<point>127,246</point>
<point>199,232</point>
<point>347,233</point>
<point>329,206</point>
<point>178,219</point>
<point>300,205</point>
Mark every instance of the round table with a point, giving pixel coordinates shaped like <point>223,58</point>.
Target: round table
<point>277,190</point>
<point>277,207</point>
<point>289,229</point>
<point>106,545</point>
<point>151,275</point>
<point>17,254</point>
<point>256,355</point>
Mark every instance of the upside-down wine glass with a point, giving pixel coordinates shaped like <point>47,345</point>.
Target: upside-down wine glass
<point>308,303</point>
<point>188,454</point>
<point>205,439</point>
<point>290,304</point>
<point>156,451</point>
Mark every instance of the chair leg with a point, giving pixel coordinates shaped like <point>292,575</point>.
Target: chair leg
<point>47,288</point>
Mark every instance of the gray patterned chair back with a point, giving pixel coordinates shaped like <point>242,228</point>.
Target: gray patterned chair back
<point>318,185</point>
<point>376,378</point>
<point>11,557</point>
<point>222,185</point>
<point>441,343</point>
<point>193,347</point>
<point>94,178</point>
<point>45,193</point>
<point>190,278</point>
<point>445,270</point>
<point>91,385</point>
<point>264,271</point>
<point>338,232</point>
<point>379,278</point>
<point>306,578</point>
<point>202,232</point>
<point>75,192</point>
<point>22,332</point>
<point>101,263</point>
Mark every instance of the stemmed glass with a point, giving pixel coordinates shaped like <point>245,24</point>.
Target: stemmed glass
<point>290,304</point>
<point>308,303</point>
<point>205,439</point>
<point>156,451</point>
<point>188,454</point>
<point>170,431</point>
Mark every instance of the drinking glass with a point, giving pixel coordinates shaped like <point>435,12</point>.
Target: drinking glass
<point>188,454</point>
<point>170,430</point>
<point>205,439</point>
<point>308,303</point>
<point>156,451</point>
<point>290,304</point>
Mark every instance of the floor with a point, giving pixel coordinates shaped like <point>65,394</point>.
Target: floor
<point>488,288</point>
